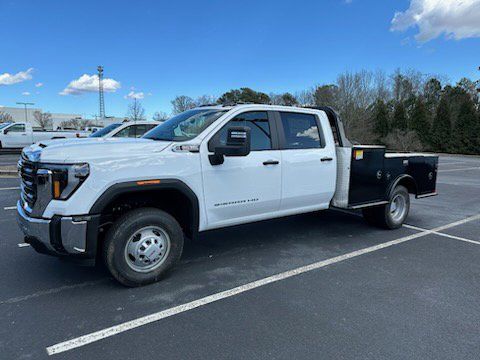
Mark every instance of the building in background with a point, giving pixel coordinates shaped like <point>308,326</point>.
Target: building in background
<point>18,115</point>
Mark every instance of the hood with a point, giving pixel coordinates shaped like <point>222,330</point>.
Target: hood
<point>91,149</point>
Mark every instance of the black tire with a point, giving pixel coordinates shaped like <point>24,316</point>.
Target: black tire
<point>383,217</point>
<point>118,238</point>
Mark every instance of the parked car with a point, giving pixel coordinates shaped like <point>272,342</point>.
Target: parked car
<point>132,129</point>
<point>132,201</point>
<point>20,134</point>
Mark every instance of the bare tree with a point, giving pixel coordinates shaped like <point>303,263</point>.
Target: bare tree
<point>182,103</point>
<point>205,100</point>
<point>5,117</point>
<point>136,112</point>
<point>354,98</point>
<point>84,123</point>
<point>74,123</point>
<point>43,119</point>
<point>305,97</point>
<point>285,99</point>
<point>403,140</point>
<point>160,116</point>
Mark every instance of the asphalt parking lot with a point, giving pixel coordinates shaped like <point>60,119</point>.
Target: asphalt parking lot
<point>321,285</point>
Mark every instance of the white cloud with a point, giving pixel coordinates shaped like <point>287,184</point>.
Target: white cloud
<point>10,79</point>
<point>89,83</point>
<point>25,93</point>
<point>457,19</point>
<point>38,84</point>
<point>135,95</point>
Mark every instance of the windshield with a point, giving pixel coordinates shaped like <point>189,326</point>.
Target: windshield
<point>185,126</point>
<point>104,131</point>
<point>3,125</point>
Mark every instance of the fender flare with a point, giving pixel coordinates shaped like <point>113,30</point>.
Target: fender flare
<point>398,180</point>
<point>115,191</point>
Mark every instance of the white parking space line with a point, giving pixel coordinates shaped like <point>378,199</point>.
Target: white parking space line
<point>21,245</point>
<point>129,325</point>
<point>441,163</point>
<point>9,188</point>
<point>10,208</point>
<point>51,291</point>
<point>463,169</point>
<point>445,235</point>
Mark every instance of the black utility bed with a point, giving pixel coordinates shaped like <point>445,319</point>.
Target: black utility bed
<point>374,173</point>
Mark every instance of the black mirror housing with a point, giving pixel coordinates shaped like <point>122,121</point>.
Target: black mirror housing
<point>238,144</point>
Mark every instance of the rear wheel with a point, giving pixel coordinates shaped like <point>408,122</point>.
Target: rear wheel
<point>393,214</point>
<point>142,246</point>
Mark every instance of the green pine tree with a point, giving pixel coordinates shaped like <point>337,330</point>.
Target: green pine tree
<point>419,121</point>
<point>381,124</point>
<point>467,129</point>
<point>399,117</point>
<point>441,127</point>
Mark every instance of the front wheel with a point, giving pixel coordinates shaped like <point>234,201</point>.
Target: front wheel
<point>393,214</point>
<point>142,246</point>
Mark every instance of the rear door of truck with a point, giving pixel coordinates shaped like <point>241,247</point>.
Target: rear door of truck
<point>308,160</point>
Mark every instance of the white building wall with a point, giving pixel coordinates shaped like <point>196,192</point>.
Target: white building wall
<point>18,115</point>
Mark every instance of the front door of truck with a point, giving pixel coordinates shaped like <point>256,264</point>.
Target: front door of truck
<point>243,188</point>
<point>309,161</point>
<point>17,136</point>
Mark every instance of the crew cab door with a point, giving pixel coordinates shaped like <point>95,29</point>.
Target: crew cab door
<point>243,188</point>
<point>17,136</point>
<point>308,161</point>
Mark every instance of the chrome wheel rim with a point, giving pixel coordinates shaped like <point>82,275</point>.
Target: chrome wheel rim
<point>147,249</point>
<point>398,208</point>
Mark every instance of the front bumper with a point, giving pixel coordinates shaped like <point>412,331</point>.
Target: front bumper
<point>60,236</point>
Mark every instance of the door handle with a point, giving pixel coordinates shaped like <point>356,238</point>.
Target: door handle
<point>271,162</point>
<point>326,159</point>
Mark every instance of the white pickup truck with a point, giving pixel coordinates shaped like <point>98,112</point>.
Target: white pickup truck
<point>132,201</point>
<point>20,134</point>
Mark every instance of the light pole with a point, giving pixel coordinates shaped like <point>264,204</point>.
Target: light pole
<point>25,104</point>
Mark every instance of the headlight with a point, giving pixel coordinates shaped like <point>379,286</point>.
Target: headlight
<point>66,179</point>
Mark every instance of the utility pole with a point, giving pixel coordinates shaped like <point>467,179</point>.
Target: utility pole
<point>100,92</point>
<point>25,104</point>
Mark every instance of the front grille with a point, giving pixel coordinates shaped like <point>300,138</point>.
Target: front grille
<point>28,172</point>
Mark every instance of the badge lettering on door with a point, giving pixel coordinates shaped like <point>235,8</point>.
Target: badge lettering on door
<point>238,202</point>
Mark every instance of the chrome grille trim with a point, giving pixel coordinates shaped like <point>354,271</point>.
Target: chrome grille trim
<point>28,185</point>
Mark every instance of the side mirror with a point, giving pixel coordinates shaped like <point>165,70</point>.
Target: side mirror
<point>238,144</point>
<point>5,132</point>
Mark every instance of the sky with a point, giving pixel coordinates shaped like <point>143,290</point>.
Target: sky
<point>156,50</point>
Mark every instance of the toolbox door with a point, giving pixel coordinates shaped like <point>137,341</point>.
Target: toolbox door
<point>367,176</point>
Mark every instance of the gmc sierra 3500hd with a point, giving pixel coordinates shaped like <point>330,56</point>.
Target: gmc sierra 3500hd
<point>131,201</point>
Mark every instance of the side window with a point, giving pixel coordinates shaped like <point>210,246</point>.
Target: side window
<point>138,130</point>
<point>124,132</point>
<point>301,131</point>
<point>17,128</point>
<point>260,134</point>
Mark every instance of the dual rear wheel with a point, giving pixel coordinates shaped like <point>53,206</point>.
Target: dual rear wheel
<point>393,214</point>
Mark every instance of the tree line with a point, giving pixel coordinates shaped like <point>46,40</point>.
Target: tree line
<point>407,111</point>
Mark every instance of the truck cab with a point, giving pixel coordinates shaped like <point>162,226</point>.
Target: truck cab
<point>16,135</point>
<point>132,201</point>
<point>22,134</point>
